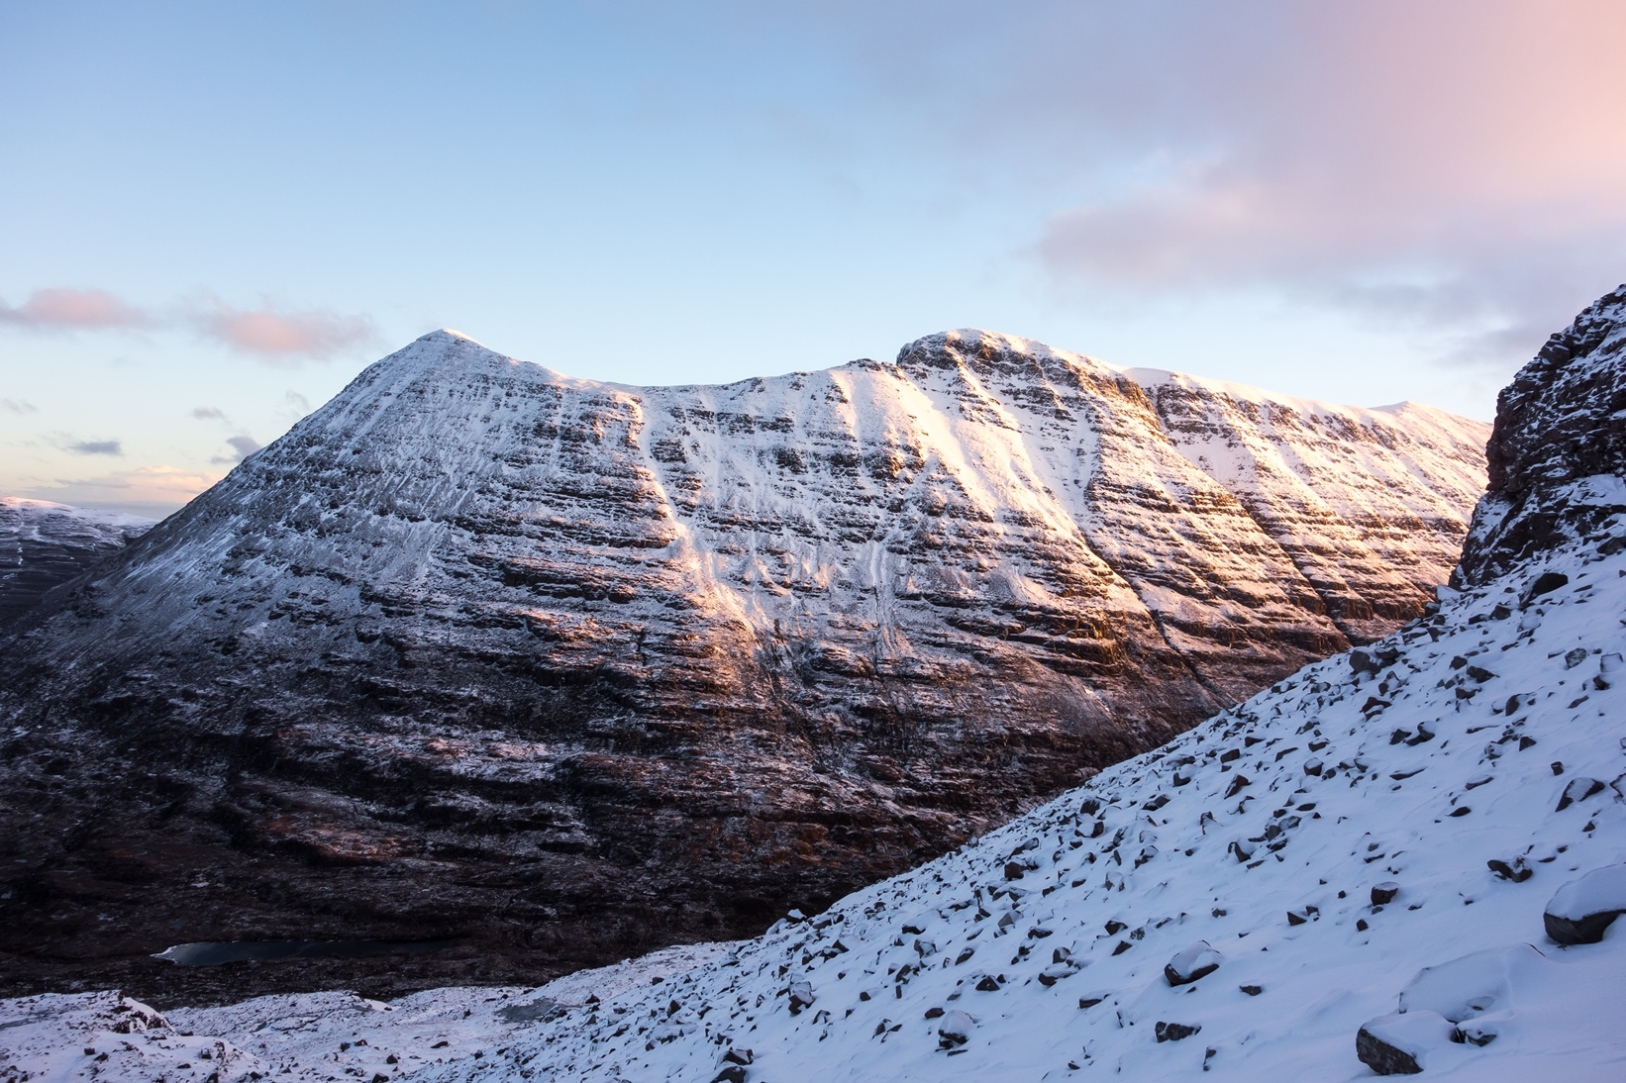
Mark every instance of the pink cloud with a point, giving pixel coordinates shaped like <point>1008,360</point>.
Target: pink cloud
<point>1444,164</point>
<point>273,335</point>
<point>282,336</point>
<point>69,310</point>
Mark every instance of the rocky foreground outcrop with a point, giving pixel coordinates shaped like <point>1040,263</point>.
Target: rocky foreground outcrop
<point>563,670</point>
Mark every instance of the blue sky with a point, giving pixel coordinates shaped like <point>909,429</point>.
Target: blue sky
<point>213,215</point>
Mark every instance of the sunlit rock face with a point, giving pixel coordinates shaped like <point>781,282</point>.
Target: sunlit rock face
<point>572,669</point>
<point>43,544</point>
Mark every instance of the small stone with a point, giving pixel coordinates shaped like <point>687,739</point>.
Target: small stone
<point>736,1055</point>
<point>732,1074</point>
<point>1252,990</point>
<point>1383,894</point>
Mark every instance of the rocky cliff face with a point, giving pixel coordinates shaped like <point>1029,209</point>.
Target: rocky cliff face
<point>1559,447</point>
<point>569,669</point>
<point>43,544</point>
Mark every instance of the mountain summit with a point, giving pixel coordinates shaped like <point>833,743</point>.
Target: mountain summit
<point>571,669</point>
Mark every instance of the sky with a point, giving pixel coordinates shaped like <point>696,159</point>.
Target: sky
<point>212,216</point>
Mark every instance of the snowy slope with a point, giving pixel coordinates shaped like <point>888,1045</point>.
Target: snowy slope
<point>43,544</point>
<point>477,646</point>
<point>1262,833</point>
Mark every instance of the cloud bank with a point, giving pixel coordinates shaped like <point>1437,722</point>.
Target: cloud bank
<point>271,334</point>
<point>1450,168</point>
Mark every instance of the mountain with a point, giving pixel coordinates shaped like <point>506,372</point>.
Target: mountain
<point>1409,857</point>
<point>43,544</point>
<point>568,670</point>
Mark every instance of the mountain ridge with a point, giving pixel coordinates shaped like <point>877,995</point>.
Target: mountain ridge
<point>444,649</point>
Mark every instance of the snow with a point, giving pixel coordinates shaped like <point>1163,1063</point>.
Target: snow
<point>1038,952</point>
<point>1600,891</point>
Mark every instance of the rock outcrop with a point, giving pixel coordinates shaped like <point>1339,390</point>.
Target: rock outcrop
<point>566,670</point>
<point>1557,454</point>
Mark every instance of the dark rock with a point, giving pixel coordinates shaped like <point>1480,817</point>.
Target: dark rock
<point>1383,894</point>
<point>1192,964</point>
<point>1394,1044</point>
<point>801,997</point>
<point>732,1074</point>
<point>1236,786</point>
<point>1518,871</point>
<point>1545,583</point>
<point>736,1055</point>
<point>955,1029</point>
<point>1583,909</point>
<point>1252,990</point>
<point>1174,1032</point>
<point>1579,789</point>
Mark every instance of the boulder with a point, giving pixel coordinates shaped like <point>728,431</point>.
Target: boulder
<point>1579,789</point>
<point>1398,1043</point>
<point>955,1029</point>
<point>1582,909</point>
<point>801,996</point>
<point>1383,894</point>
<point>1195,962</point>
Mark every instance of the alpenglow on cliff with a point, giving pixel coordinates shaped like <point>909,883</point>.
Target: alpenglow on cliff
<point>573,668</point>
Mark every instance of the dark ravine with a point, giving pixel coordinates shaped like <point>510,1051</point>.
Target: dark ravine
<point>567,671</point>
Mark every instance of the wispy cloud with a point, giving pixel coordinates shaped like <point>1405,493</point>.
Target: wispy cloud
<point>154,491</point>
<point>95,447</point>
<point>18,406</point>
<point>282,337</point>
<point>242,447</point>
<point>275,335</point>
<point>209,413</point>
<point>61,309</point>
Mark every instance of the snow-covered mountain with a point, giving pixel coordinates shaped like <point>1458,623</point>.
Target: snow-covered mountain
<point>574,669</point>
<point>43,544</point>
<point>1407,857</point>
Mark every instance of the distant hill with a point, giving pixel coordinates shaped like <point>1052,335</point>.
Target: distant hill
<point>43,544</point>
